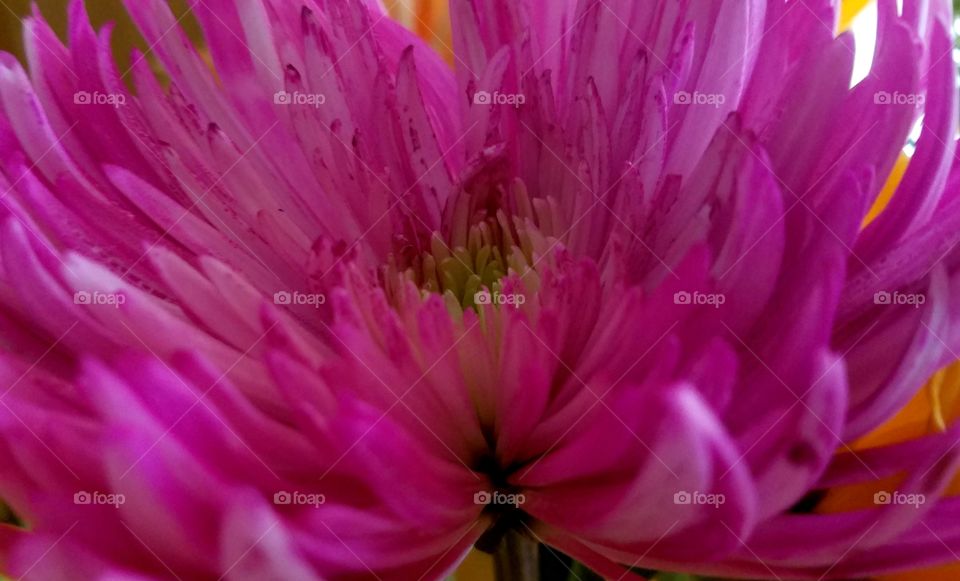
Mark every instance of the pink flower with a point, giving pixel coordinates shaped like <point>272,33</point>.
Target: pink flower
<point>337,311</point>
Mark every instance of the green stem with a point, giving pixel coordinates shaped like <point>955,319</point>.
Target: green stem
<point>517,558</point>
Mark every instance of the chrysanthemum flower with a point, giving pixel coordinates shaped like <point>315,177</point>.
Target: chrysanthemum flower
<point>334,309</point>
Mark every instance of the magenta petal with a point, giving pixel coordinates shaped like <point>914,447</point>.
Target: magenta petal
<point>332,308</point>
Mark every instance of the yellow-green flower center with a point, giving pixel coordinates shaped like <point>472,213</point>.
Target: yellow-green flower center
<point>478,254</point>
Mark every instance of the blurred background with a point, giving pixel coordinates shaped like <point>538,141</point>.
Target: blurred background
<point>101,11</point>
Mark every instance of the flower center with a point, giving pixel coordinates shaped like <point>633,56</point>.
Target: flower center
<point>486,239</point>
